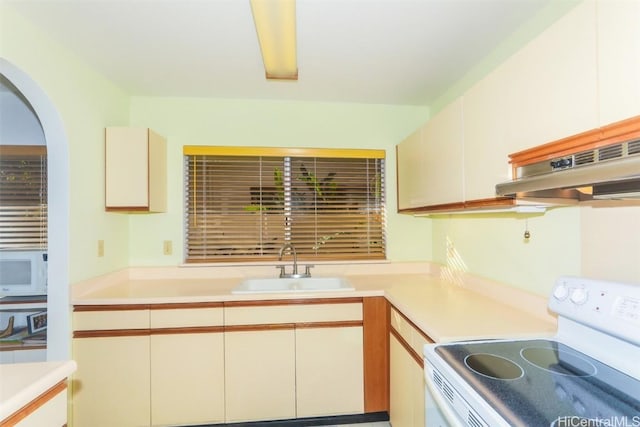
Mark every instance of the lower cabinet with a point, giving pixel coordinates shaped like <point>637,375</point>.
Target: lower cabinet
<point>187,364</point>
<point>288,361</point>
<point>260,375</point>
<point>329,371</point>
<point>407,387</point>
<point>139,366</point>
<point>111,385</point>
<point>211,363</point>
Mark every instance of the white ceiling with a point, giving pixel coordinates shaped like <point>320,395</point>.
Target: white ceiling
<point>367,51</point>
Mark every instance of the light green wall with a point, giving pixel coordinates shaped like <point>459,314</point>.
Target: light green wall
<point>86,102</point>
<point>493,246</point>
<point>270,123</point>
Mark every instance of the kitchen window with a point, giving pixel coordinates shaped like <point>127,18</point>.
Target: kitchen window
<point>23,197</point>
<point>244,203</point>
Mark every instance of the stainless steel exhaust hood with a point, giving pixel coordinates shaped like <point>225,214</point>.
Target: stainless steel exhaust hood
<point>608,170</point>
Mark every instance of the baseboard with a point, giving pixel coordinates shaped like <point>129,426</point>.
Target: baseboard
<point>370,417</point>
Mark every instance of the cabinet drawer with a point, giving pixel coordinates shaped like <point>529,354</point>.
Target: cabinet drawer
<point>186,317</point>
<point>110,320</point>
<point>294,313</point>
<point>409,333</point>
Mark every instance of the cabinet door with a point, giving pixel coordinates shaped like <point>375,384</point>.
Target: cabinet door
<point>187,365</point>
<point>443,138</point>
<point>430,161</point>
<point>486,149</point>
<point>618,60</point>
<point>187,378</point>
<point>411,172</point>
<point>551,85</point>
<point>401,401</point>
<point>135,170</point>
<point>329,371</point>
<point>111,384</point>
<point>260,375</point>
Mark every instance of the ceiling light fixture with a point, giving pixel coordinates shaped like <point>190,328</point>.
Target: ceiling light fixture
<point>275,22</point>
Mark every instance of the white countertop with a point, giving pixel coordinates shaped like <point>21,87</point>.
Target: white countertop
<point>443,310</point>
<point>21,383</point>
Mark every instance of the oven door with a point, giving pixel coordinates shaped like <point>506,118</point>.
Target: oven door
<point>437,411</point>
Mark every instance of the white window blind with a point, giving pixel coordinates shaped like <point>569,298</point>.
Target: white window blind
<point>23,197</point>
<point>243,204</point>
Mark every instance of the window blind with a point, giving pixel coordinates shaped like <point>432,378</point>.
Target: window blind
<point>244,207</point>
<point>23,197</point>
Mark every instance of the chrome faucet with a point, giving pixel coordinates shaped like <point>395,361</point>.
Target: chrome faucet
<point>294,274</point>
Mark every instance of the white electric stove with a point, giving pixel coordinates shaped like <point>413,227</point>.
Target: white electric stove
<point>586,375</point>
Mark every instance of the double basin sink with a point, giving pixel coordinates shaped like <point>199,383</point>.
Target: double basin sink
<point>288,285</point>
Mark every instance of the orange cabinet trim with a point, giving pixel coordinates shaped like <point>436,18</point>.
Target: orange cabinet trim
<point>34,405</point>
<point>616,132</point>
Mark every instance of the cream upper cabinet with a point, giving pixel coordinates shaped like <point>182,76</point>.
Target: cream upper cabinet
<point>618,60</point>
<point>550,85</point>
<point>135,170</point>
<point>430,161</point>
<point>410,155</point>
<point>485,146</point>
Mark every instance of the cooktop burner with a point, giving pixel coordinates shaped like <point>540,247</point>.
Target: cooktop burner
<point>493,366</point>
<point>544,381</point>
<point>558,361</point>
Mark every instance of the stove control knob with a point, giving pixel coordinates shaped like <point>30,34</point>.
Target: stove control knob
<point>579,296</point>
<point>561,292</point>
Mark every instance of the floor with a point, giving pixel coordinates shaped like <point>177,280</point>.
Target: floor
<point>380,424</point>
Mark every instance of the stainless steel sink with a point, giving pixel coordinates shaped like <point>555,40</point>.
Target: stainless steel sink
<point>282,285</point>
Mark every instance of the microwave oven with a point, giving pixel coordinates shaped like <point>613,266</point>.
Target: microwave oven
<point>23,273</point>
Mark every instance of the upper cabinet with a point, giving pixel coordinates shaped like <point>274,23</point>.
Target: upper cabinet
<point>618,60</point>
<point>547,90</point>
<point>135,170</point>
<point>550,85</point>
<point>430,162</point>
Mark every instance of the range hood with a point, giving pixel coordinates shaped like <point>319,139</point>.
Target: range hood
<point>603,164</point>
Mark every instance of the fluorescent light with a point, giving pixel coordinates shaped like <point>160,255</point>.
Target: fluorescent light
<point>275,22</point>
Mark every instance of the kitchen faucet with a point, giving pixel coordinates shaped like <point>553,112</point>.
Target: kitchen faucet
<point>294,274</point>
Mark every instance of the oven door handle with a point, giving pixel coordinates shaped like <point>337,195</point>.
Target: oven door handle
<point>444,406</point>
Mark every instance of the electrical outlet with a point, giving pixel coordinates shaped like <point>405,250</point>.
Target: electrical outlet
<point>100,248</point>
<point>167,247</point>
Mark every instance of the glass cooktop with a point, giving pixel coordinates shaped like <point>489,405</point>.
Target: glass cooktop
<point>545,383</point>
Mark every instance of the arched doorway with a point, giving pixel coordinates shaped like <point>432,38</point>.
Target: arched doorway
<point>59,323</point>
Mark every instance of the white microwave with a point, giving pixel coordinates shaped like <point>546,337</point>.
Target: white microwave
<point>23,273</point>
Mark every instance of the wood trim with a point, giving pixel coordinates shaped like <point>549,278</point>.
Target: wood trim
<point>306,301</point>
<point>418,359</point>
<point>111,333</point>
<point>610,134</point>
<point>330,324</point>
<point>126,208</point>
<point>478,204</point>
<point>262,327</point>
<point>376,318</point>
<point>187,330</point>
<point>34,405</point>
<point>112,307</point>
<point>413,325</point>
<point>205,150</point>
<point>185,305</point>
<point>23,150</point>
